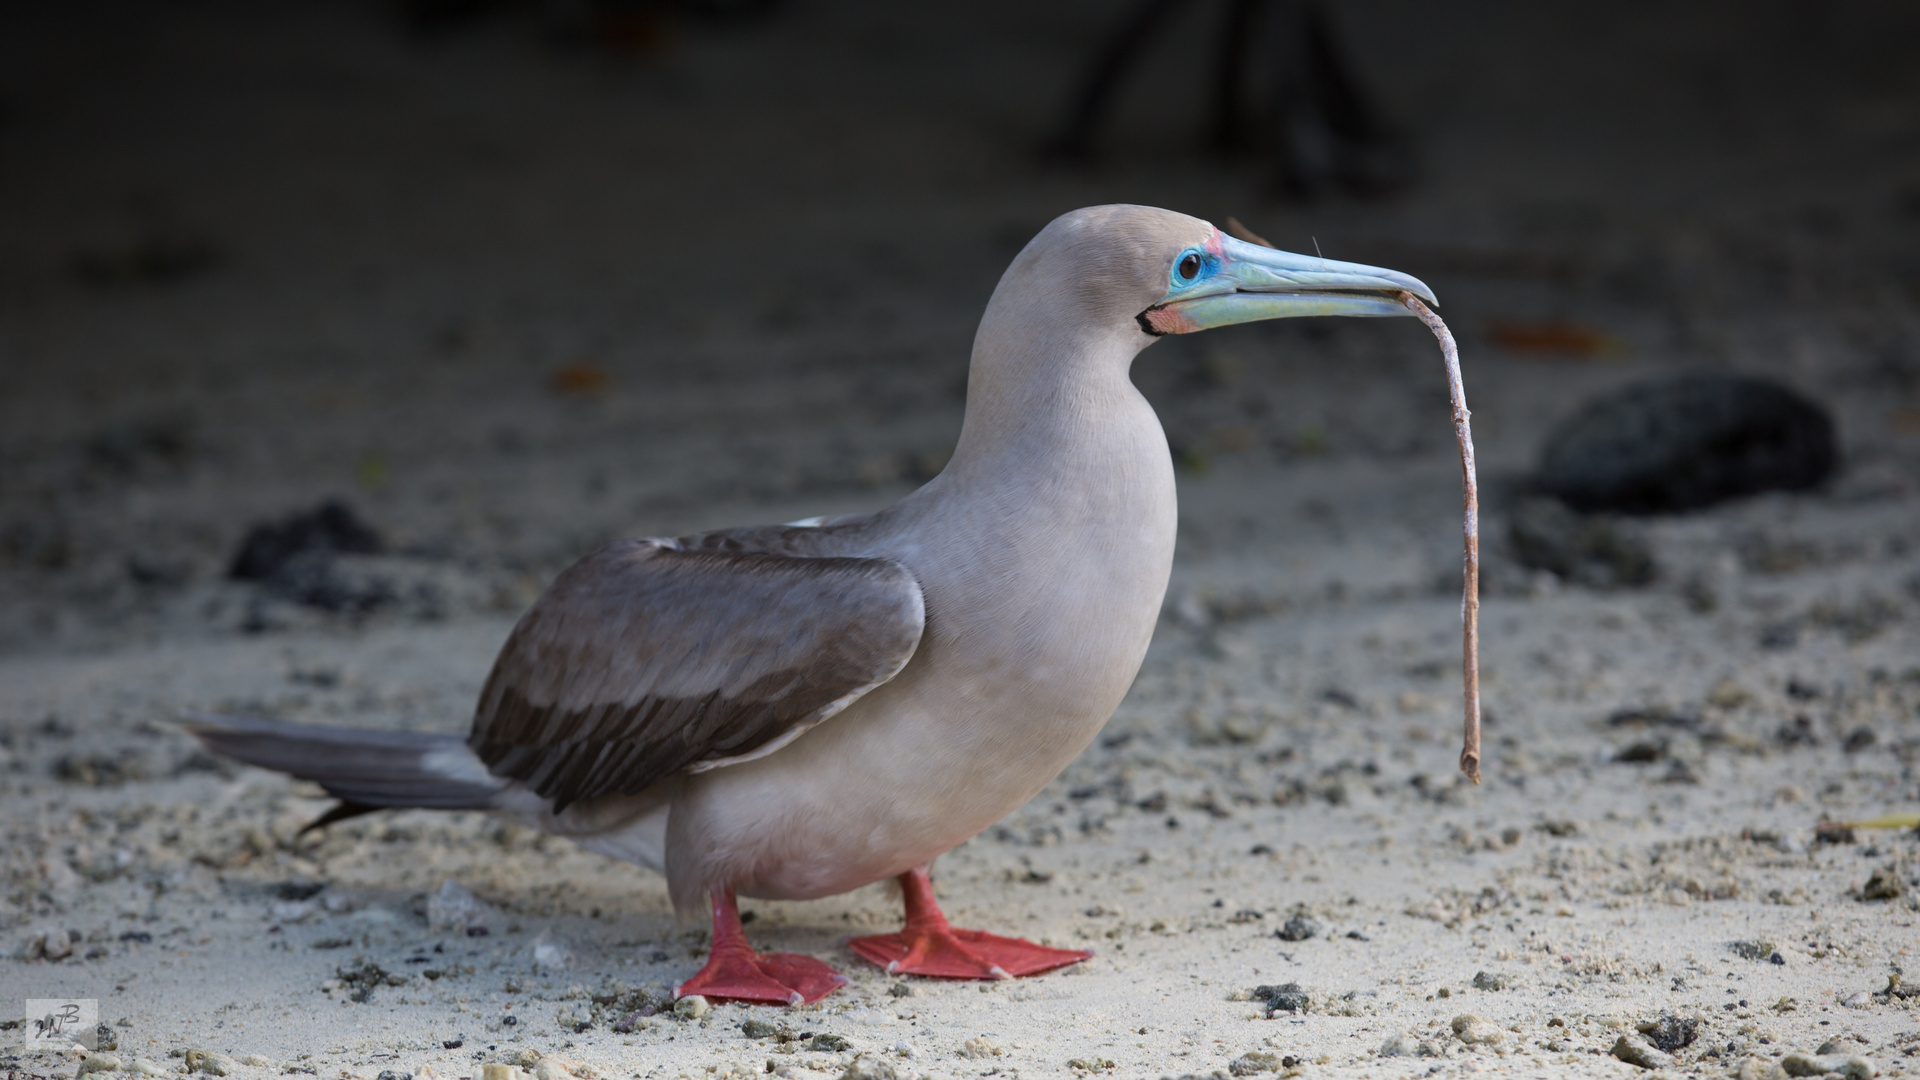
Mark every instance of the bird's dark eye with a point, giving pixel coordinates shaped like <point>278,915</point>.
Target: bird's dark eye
<point>1189,267</point>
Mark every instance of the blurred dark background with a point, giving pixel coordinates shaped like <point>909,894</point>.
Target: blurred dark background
<point>512,278</point>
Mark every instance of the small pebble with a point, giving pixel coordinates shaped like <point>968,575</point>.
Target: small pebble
<point>1298,928</point>
<point>1755,949</point>
<point>98,1063</point>
<point>261,1061</point>
<point>869,1067</point>
<point>1858,1001</point>
<point>1636,1051</point>
<point>1885,884</point>
<point>212,1064</point>
<point>498,1070</point>
<point>977,1049</point>
<point>58,945</point>
<point>756,1028</point>
<point>1851,1068</point>
<point>1255,1061</point>
<point>1477,1031</point>
<point>692,1007</point>
<point>1287,997</point>
<point>146,1067</point>
<point>1670,1032</point>
<point>1486,980</point>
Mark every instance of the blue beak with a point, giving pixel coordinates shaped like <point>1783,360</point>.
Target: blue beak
<point>1236,282</point>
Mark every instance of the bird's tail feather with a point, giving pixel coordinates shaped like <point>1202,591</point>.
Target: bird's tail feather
<point>365,770</point>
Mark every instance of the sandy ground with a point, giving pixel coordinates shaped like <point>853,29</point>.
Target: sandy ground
<point>513,300</point>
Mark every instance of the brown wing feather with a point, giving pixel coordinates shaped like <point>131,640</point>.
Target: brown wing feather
<point>644,659</point>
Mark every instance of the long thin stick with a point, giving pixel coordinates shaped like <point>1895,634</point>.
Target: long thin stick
<point>1470,486</point>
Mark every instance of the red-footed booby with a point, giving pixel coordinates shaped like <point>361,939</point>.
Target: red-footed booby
<point>793,711</point>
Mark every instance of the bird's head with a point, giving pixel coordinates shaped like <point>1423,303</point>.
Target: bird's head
<point>1154,272</point>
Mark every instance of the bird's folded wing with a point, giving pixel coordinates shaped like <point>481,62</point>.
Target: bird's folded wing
<point>643,660</point>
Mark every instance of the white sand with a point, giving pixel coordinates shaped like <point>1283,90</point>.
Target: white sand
<point>778,267</point>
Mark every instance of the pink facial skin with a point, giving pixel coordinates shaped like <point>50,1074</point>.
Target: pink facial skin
<point>1168,320</point>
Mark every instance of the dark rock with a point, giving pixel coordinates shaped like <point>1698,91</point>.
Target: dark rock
<point>1670,1032</point>
<point>1801,691</point>
<point>1586,549</point>
<point>1883,885</point>
<point>1287,997</point>
<point>330,528</point>
<point>1640,753</point>
<point>1687,443</point>
<point>364,979</point>
<point>1859,739</point>
<point>1298,928</point>
<point>299,888</point>
<point>1797,732</point>
<point>1832,832</point>
<point>1653,717</point>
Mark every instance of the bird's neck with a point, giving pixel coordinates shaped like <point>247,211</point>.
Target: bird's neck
<point>1042,397</point>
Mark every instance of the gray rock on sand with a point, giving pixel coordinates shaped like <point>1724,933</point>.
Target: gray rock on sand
<point>1298,928</point>
<point>1637,1051</point>
<point>1687,443</point>
<point>1477,1031</point>
<point>1286,997</point>
<point>200,1061</point>
<point>869,1067</point>
<point>1669,1032</point>
<point>1850,1067</point>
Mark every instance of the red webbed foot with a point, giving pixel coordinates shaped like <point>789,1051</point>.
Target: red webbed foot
<point>734,972</point>
<point>930,946</point>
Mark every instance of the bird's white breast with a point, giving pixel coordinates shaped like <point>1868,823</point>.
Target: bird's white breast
<point>1042,589</point>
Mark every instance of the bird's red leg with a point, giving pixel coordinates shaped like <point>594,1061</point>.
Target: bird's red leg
<point>735,972</point>
<point>929,945</point>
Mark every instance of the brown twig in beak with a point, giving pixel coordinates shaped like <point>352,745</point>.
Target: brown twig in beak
<point>1470,486</point>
